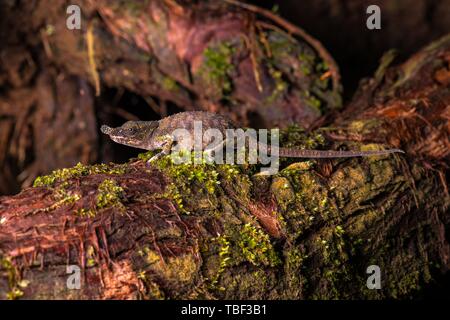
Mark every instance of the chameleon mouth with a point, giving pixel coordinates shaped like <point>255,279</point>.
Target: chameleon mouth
<point>105,129</point>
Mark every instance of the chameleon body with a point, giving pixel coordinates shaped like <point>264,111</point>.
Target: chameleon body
<point>158,135</point>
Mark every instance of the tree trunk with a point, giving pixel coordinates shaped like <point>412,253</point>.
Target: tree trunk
<point>220,231</point>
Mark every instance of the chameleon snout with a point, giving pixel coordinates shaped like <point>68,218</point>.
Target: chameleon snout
<point>105,129</point>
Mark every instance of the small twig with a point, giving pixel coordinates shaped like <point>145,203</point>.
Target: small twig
<point>91,56</point>
<point>295,30</point>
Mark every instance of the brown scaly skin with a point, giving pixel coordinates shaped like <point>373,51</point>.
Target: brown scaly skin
<point>155,135</point>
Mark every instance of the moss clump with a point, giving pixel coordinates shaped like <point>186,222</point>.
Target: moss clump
<point>79,170</point>
<point>181,268</point>
<point>296,270</point>
<point>224,258</point>
<point>312,101</point>
<point>66,198</point>
<point>83,212</point>
<point>62,197</point>
<point>145,156</point>
<point>109,195</point>
<point>282,190</point>
<point>307,61</point>
<point>295,136</point>
<point>280,86</point>
<point>202,177</point>
<point>169,84</point>
<point>336,267</point>
<point>218,66</point>
<point>256,247</point>
<point>90,257</point>
<point>15,283</point>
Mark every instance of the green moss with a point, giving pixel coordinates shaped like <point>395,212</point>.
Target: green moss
<point>224,258</point>
<point>169,84</point>
<point>63,197</point>
<point>203,177</point>
<point>296,270</point>
<point>364,127</point>
<point>282,190</point>
<point>280,45</point>
<point>405,285</point>
<point>297,167</point>
<point>307,63</point>
<point>280,86</point>
<point>49,29</point>
<point>228,171</point>
<point>312,101</point>
<point>154,291</point>
<point>83,212</point>
<point>175,268</point>
<point>15,283</point>
<point>67,199</point>
<point>312,194</point>
<point>77,171</point>
<point>336,270</point>
<point>256,247</point>
<point>145,156</point>
<point>90,257</point>
<point>295,136</point>
<point>218,66</point>
<point>109,195</point>
<point>322,67</point>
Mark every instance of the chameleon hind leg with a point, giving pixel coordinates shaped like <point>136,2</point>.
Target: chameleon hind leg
<point>219,151</point>
<point>167,147</point>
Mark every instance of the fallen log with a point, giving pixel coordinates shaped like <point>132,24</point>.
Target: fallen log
<point>220,231</point>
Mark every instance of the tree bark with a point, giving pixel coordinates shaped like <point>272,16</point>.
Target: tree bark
<point>219,231</point>
<point>220,56</point>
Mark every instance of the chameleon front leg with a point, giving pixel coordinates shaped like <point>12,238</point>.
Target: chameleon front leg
<point>165,150</point>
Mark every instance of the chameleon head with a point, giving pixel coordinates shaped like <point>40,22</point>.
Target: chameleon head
<point>132,133</point>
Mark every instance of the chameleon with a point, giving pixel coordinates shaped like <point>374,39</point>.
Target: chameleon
<point>158,135</point>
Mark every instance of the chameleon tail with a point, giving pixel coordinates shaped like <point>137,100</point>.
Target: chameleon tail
<point>299,153</point>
